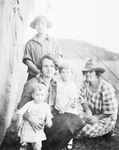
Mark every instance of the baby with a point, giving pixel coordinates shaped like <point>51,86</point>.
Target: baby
<point>39,108</point>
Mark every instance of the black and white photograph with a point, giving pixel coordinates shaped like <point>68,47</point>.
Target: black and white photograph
<point>59,86</point>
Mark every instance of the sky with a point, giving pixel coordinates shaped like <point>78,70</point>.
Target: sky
<point>92,21</point>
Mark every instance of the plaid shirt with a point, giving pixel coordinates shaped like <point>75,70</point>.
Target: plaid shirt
<point>103,101</point>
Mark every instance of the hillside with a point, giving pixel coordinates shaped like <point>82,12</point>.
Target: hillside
<point>75,49</point>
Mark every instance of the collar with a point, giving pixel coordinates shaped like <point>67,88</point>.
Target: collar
<point>52,81</point>
<point>35,38</point>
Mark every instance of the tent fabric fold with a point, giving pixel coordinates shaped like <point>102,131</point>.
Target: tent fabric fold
<point>13,20</point>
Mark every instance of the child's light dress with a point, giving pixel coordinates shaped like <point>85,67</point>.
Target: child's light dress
<point>65,94</point>
<point>26,132</point>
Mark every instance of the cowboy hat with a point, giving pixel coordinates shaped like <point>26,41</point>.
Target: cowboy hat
<point>92,65</point>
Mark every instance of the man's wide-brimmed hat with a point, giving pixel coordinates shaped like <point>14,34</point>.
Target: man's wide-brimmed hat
<point>93,65</point>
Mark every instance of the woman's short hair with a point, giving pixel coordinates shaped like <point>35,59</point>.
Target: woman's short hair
<point>50,57</point>
<point>38,19</point>
<point>98,73</point>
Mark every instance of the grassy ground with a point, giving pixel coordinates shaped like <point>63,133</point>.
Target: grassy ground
<point>11,141</point>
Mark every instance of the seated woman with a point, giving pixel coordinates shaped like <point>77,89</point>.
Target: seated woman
<point>48,66</point>
<point>100,96</point>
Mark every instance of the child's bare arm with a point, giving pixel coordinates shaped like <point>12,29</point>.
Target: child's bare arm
<point>19,120</point>
<point>48,119</point>
<point>49,122</point>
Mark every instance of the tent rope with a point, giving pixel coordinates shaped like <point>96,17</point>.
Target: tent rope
<point>103,63</point>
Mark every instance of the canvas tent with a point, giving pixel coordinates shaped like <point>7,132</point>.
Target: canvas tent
<point>13,19</point>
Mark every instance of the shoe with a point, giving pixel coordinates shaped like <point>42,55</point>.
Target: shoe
<point>64,148</point>
<point>69,145</point>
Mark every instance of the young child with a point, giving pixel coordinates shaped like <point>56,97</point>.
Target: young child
<point>67,96</point>
<point>68,99</point>
<point>66,91</point>
<point>40,45</point>
<point>39,108</point>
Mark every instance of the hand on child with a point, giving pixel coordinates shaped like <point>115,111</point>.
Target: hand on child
<point>62,111</point>
<point>34,122</point>
<point>36,126</point>
<point>49,123</point>
<point>19,122</point>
